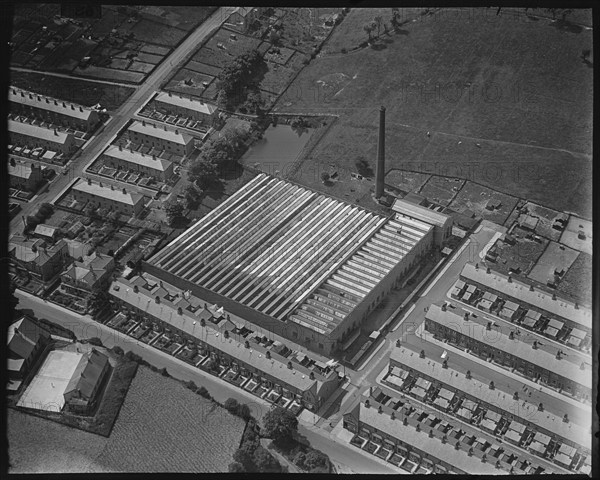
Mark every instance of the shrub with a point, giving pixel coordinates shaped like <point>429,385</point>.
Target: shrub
<point>202,391</point>
<point>299,459</point>
<point>344,50</point>
<point>163,372</point>
<point>191,385</point>
<point>95,341</point>
<point>232,405</point>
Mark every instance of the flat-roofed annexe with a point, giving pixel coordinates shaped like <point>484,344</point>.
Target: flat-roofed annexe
<point>292,260</point>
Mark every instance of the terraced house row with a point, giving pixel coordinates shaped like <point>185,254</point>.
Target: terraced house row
<point>306,266</point>
<point>50,109</point>
<point>268,370</point>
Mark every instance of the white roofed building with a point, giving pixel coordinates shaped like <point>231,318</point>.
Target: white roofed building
<point>153,135</point>
<point>442,223</point>
<point>108,196</point>
<point>186,106</point>
<point>50,109</point>
<point>151,165</point>
<point>32,136</point>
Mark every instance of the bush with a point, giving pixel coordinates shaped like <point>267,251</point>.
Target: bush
<point>299,459</point>
<point>95,341</point>
<point>202,391</point>
<point>344,50</point>
<point>191,385</point>
<point>163,372</point>
<point>134,357</point>
<point>231,405</point>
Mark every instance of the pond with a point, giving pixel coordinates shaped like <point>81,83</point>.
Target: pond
<point>277,150</point>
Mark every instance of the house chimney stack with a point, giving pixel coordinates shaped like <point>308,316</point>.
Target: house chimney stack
<point>380,174</point>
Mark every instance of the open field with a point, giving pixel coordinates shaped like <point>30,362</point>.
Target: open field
<point>162,426</point>
<point>555,258</point>
<point>278,76</point>
<point>500,110</point>
<point>406,181</point>
<point>577,282</point>
<point>84,92</point>
<point>441,190</point>
<point>475,197</point>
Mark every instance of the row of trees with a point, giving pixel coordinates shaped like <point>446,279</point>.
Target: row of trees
<point>251,456</point>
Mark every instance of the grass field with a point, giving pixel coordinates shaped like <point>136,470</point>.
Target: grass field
<point>153,32</point>
<point>73,90</point>
<point>406,181</point>
<point>507,103</point>
<point>577,282</point>
<point>441,190</point>
<point>162,427</point>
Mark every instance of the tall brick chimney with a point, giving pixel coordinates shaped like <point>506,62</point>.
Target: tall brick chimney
<point>380,173</point>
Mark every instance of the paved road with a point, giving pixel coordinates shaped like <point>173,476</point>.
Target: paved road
<point>125,112</point>
<point>85,327</point>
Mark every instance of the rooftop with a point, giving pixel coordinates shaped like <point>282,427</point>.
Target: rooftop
<point>138,158</point>
<point>521,293</point>
<point>33,250</point>
<point>104,191</point>
<point>45,230</point>
<point>23,336</point>
<point>46,390</point>
<point>86,375</point>
<point>432,446</point>
<point>21,170</point>
<point>186,102</point>
<point>290,252</point>
<point>498,337</point>
<point>151,129</point>
<point>35,131</point>
<point>189,322</point>
<point>414,210</point>
<point>24,97</point>
<point>520,408</point>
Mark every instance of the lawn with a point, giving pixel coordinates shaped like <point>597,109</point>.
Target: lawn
<point>191,435</point>
<point>577,282</point>
<point>278,76</point>
<point>500,109</point>
<point>475,197</point>
<point>555,257</point>
<point>86,93</point>
<point>406,181</point>
<point>110,74</point>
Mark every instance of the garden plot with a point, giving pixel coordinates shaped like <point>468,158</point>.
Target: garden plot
<point>278,77</point>
<point>477,198</point>
<point>545,218</point>
<point>203,68</point>
<point>221,48</point>
<point>152,32</point>
<point>520,257</point>
<point>578,235</point>
<point>556,259</point>
<point>189,82</point>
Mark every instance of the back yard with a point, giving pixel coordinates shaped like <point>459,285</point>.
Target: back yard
<point>162,427</point>
<point>499,108</point>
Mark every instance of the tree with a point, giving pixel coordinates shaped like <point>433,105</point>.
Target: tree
<point>236,467</point>
<point>378,20</point>
<point>243,411</point>
<point>245,457</point>
<point>192,194</point>
<point>325,177</point>
<point>265,462</point>
<point>315,459</point>
<point>231,405</point>
<point>203,171</point>
<point>95,341</point>
<point>173,210</point>
<point>368,27</point>
<point>299,459</point>
<point>280,424</point>
<point>118,350</point>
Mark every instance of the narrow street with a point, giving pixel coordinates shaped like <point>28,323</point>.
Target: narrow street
<point>121,116</point>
